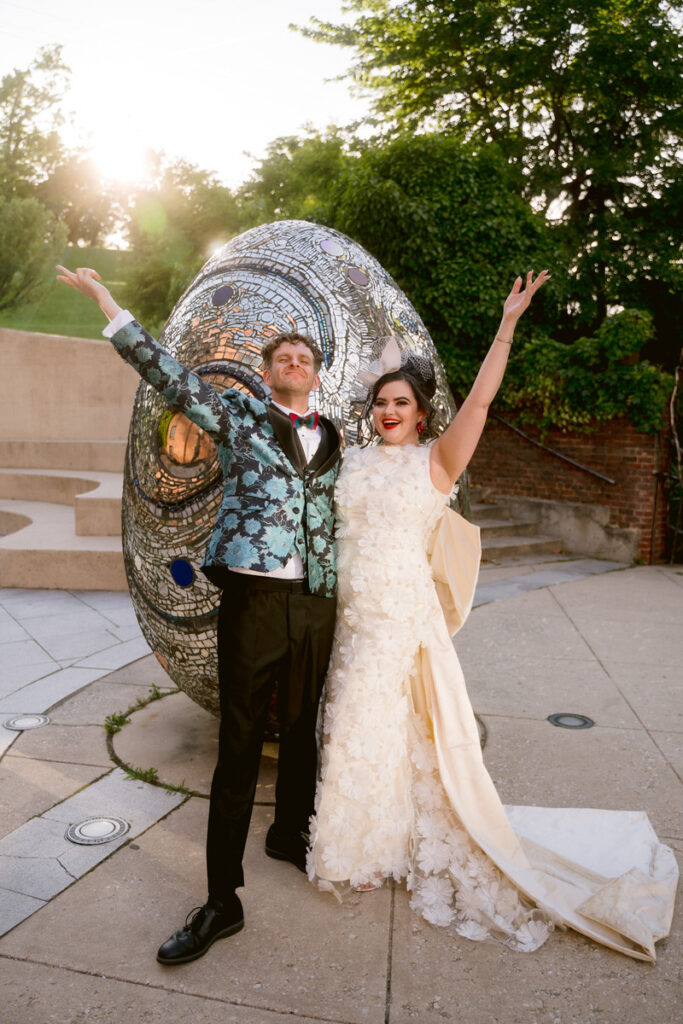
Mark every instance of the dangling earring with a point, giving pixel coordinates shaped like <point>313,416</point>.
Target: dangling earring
<point>420,428</point>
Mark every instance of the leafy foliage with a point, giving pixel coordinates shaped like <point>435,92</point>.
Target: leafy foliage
<point>30,244</point>
<point>444,220</point>
<point>172,229</point>
<point>597,378</point>
<point>583,100</point>
<point>30,116</point>
<point>295,179</point>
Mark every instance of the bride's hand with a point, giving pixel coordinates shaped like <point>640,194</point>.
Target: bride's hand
<point>518,300</point>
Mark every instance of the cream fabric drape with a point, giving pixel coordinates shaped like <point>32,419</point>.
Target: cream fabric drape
<point>603,873</point>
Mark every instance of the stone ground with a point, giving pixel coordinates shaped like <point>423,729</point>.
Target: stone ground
<point>81,924</point>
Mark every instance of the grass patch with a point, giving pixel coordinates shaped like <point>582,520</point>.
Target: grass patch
<point>150,775</point>
<point>62,310</point>
<point>114,723</point>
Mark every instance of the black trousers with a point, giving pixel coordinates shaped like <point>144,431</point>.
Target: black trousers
<point>268,631</point>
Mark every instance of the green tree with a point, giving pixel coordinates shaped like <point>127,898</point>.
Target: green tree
<point>76,194</point>
<point>446,223</point>
<point>30,245</point>
<point>173,227</point>
<point>583,100</point>
<point>30,118</point>
<point>295,180</point>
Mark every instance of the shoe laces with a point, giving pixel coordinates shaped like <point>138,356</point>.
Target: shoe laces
<point>193,916</point>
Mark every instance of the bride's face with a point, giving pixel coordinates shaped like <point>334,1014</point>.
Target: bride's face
<point>395,414</point>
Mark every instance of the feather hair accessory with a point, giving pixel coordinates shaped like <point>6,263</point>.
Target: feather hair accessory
<point>392,359</point>
<point>389,360</point>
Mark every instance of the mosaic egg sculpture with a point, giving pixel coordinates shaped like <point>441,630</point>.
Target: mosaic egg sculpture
<point>289,275</point>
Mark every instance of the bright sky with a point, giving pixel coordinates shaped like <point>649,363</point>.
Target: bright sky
<point>206,80</point>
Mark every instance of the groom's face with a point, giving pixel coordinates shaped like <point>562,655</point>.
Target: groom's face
<point>292,371</point>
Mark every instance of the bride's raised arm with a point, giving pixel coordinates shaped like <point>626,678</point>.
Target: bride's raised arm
<point>453,450</point>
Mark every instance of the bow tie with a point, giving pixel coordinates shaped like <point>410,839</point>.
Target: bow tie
<point>310,420</point>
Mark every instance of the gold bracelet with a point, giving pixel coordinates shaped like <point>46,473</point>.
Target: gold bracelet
<point>498,338</point>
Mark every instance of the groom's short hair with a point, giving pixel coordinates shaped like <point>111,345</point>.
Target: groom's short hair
<point>293,337</point>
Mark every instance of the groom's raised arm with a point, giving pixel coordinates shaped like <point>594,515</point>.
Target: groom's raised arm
<point>180,386</point>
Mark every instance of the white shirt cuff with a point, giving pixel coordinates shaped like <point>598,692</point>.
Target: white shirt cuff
<point>120,320</point>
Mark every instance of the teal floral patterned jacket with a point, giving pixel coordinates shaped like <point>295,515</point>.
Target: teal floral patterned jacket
<point>273,502</point>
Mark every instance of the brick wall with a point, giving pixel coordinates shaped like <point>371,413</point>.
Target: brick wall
<point>510,465</point>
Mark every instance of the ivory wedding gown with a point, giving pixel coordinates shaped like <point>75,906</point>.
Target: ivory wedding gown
<point>403,790</point>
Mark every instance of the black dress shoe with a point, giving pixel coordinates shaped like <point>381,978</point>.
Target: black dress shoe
<point>291,847</point>
<point>203,926</point>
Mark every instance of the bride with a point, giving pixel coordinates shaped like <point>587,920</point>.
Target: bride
<point>403,791</point>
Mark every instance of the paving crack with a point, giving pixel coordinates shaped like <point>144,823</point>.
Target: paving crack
<point>176,991</point>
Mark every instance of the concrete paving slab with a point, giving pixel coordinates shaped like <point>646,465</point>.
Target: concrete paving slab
<point>115,794</point>
<point>299,953</point>
<point>569,980</point>
<point>29,787</point>
<point>616,769</point>
<point>145,672</point>
<point>565,572</point>
<point>180,739</point>
<point>20,675</point>
<point>33,993</point>
<point>518,687</point>
<point>117,657</point>
<point>642,594</point>
<point>93,704</point>
<point>40,877</point>
<point>24,652</point>
<point>129,632</point>
<point>655,692</point>
<point>14,908</point>
<point>643,643</point>
<point>43,693</point>
<point>28,604</point>
<point>115,605</point>
<point>671,746</point>
<point>75,647</point>
<point>10,629</point>
<point>37,839</point>
<point>7,736</point>
<point>81,620</point>
<point>38,860</point>
<point>531,624</point>
<point>70,744</point>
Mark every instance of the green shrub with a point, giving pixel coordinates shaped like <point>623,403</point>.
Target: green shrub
<point>30,244</point>
<point>551,384</point>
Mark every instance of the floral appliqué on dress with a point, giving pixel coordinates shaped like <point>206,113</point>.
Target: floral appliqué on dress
<point>380,806</point>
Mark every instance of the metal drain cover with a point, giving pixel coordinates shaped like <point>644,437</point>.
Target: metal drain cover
<point>568,720</point>
<point>19,723</point>
<point>94,831</point>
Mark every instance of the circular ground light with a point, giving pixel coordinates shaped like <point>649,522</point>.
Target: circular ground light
<point>94,831</point>
<point>20,723</point>
<point>568,720</point>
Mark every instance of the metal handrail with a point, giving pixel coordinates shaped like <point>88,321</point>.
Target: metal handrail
<point>551,451</point>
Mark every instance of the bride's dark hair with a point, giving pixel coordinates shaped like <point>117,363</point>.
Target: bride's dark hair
<point>422,380</point>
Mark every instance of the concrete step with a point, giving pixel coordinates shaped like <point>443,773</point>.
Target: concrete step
<point>94,496</point>
<point>104,456</point>
<point>496,548</point>
<point>483,511</point>
<point>45,553</point>
<point>507,528</point>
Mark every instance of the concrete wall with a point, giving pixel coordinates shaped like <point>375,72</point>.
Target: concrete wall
<point>60,388</point>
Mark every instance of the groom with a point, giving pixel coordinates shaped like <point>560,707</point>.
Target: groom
<point>272,554</point>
